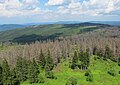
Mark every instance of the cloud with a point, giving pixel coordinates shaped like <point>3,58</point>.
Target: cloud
<point>55,2</point>
<point>91,7</point>
<point>11,8</point>
<point>29,4</point>
<point>102,7</point>
<point>2,1</point>
<point>60,2</point>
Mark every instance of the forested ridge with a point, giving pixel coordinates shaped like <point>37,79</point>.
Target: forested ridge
<point>51,31</point>
<point>80,59</point>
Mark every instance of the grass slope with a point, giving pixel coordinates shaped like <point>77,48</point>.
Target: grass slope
<point>98,68</point>
<point>53,30</point>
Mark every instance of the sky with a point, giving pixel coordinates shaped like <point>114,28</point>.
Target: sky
<point>35,11</point>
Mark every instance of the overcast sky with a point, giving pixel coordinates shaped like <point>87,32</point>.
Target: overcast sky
<point>32,11</point>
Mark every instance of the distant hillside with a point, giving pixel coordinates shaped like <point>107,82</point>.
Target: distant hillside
<point>5,27</point>
<point>115,23</point>
<point>44,32</point>
<point>67,22</point>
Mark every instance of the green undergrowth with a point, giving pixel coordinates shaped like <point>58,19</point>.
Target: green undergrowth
<point>99,68</point>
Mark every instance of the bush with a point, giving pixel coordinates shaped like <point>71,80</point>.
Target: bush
<point>50,74</point>
<point>15,82</point>
<point>72,81</point>
<point>89,78</point>
<point>96,57</point>
<point>112,72</point>
<point>41,79</point>
<point>118,64</point>
<point>73,66</point>
<point>119,72</point>
<point>87,73</point>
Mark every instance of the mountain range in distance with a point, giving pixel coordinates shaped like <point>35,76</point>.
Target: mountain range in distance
<point>34,33</point>
<point>5,27</point>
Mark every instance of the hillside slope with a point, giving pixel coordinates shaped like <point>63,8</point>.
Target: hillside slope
<point>6,27</point>
<point>115,23</point>
<point>43,32</point>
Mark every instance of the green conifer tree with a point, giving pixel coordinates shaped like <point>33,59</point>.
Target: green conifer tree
<point>95,51</point>
<point>13,78</point>
<point>6,73</point>
<point>25,69</point>
<point>108,53</point>
<point>1,83</point>
<point>21,69</point>
<point>74,60</point>
<point>87,57</point>
<point>119,61</point>
<point>84,58</point>
<point>42,61</point>
<point>49,66</point>
<point>49,62</point>
<point>33,72</point>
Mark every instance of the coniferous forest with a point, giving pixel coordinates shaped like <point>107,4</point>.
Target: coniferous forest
<point>83,59</point>
<point>59,42</point>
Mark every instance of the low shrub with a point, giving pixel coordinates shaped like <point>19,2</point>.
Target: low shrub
<point>50,75</point>
<point>89,78</point>
<point>119,64</point>
<point>41,79</point>
<point>96,57</point>
<point>87,73</point>
<point>71,81</point>
<point>112,72</point>
<point>15,82</point>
